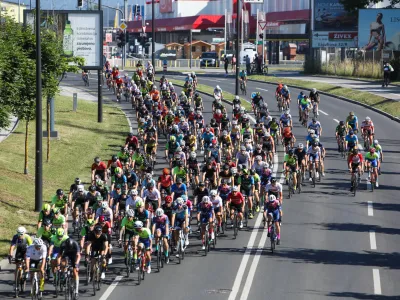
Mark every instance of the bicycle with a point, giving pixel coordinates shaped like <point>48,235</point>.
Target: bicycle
<point>160,254</point>
<point>315,110</point>
<point>273,237</point>
<point>305,118</point>
<point>207,238</point>
<point>300,176</point>
<point>279,103</point>
<point>246,211</point>
<point>313,173</point>
<point>355,180</point>
<point>243,87</point>
<point>342,150</point>
<point>20,282</point>
<point>69,283</point>
<point>371,175</point>
<point>141,266</point>
<point>96,274</point>
<point>35,291</point>
<point>290,184</point>
<point>129,260</point>
<point>180,247</point>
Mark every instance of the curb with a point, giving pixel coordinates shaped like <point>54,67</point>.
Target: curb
<point>356,79</point>
<point>396,119</point>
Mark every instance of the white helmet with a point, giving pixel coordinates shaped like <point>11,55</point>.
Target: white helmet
<point>213,193</point>
<point>237,97</point>
<point>217,87</point>
<point>170,83</point>
<point>193,154</point>
<point>179,200</point>
<point>21,230</point>
<point>312,131</point>
<point>183,143</point>
<point>314,90</point>
<point>376,142</point>
<point>271,198</point>
<point>130,213</point>
<point>287,111</point>
<point>235,189</point>
<point>159,212</point>
<point>138,224</point>
<point>267,134</point>
<point>104,205</point>
<point>285,87</point>
<point>218,111</point>
<point>205,199</point>
<point>38,242</point>
<point>368,119</point>
<point>179,149</point>
<point>134,192</point>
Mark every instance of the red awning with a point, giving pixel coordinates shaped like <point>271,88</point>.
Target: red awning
<point>177,24</point>
<point>285,16</point>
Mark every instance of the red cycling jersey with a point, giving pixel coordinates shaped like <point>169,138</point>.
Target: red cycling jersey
<point>355,158</point>
<point>132,141</point>
<point>99,167</point>
<point>114,164</point>
<point>235,199</point>
<point>165,180</point>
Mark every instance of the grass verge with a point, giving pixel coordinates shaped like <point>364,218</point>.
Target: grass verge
<point>390,106</point>
<point>210,90</point>
<point>81,138</point>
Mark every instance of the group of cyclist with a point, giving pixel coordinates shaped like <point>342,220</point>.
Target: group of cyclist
<point>126,197</point>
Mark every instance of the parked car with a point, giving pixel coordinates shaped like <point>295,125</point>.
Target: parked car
<point>209,59</point>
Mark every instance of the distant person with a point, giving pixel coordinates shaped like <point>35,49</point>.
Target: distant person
<point>226,64</point>
<point>387,69</point>
<point>233,63</point>
<point>247,60</point>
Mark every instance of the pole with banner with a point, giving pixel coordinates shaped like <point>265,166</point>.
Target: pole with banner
<point>257,33</point>
<point>225,33</point>
<point>237,46</point>
<point>190,55</point>
<point>99,85</point>
<point>153,34</point>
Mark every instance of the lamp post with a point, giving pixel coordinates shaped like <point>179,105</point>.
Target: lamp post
<point>237,46</point>
<point>39,137</point>
<point>153,35</point>
<point>99,85</point>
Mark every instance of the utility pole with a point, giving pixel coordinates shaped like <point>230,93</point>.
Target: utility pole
<point>39,133</point>
<point>238,58</point>
<point>126,22</point>
<point>99,74</point>
<point>190,55</point>
<point>153,36</point>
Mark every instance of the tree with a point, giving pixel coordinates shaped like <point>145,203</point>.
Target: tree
<point>354,5</point>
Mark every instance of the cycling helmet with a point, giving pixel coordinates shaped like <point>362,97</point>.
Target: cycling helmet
<point>351,132</point>
<point>102,219</point>
<point>287,111</point>
<point>267,134</point>
<point>376,142</point>
<point>300,146</point>
<point>311,131</point>
<point>118,170</point>
<point>316,140</point>
<point>114,158</point>
<point>159,212</point>
<point>166,171</point>
<point>172,139</point>
<point>46,207</point>
<point>104,205</point>
<point>193,155</point>
<point>273,180</point>
<point>98,229</point>
<point>183,143</point>
<point>271,198</point>
<point>149,176</point>
<point>77,181</point>
<point>205,199</point>
<point>291,152</point>
<point>302,93</point>
<point>237,97</point>
<point>38,242</point>
<point>60,232</point>
<point>168,199</point>
<point>372,150</point>
<point>21,230</point>
<point>90,222</point>
<point>355,150</point>
<point>69,243</point>
<point>179,201</point>
<point>130,213</point>
<point>314,90</point>
<point>217,87</point>
<point>60,192</point>
<point>235,189</point>
<point>285,87</point>
<point>56,210</point>
<point>179,180</point>
<point>258,157</point>
<point>314,120</point>
<point>368,119</point>
<point>213,193</point>
<point>341,123</point>
<point>242,148</point>
<point>138,225</point>
<point>139,204</point>
<point>179,149</point>
<point>97,160</point>
<point>352,113</point>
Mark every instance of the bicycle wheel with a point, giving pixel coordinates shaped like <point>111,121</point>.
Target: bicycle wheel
<point>265,70</point>
<point>139,271</point>
<point>235,227</point>
<point>182,249</point>
<point>313,176</point>
<point>290,186</point>
<point>159,259</point>
<point>272,239</point>
<point>57,280</point>
<point>179,248</point>
<point>206,243</point>
<point>18,281</point>
<point>67,291</point>
<point>299,181</point>
<point>128,264</point>
<point>354,184</point>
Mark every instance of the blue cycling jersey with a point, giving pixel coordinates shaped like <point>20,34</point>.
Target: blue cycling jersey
<point>207,136</point>
<point>352,140</point>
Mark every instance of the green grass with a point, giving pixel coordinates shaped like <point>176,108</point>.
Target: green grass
<point>210,90</point>
<point>390,106</point>
<point>81,139</point>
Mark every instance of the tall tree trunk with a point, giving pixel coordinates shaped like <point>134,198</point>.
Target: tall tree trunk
<point>26,147</point>
<point>48,130</point>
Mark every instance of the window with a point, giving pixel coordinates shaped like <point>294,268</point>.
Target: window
<point>193,48</point>
<point>203,49</point>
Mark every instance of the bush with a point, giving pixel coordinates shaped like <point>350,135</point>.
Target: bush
<point>312,67</point>
<point>395,75</point>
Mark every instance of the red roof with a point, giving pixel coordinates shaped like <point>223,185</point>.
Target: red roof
<point>294,15</point>
<point>177,24</point>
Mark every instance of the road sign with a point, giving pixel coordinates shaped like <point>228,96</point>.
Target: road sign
<point>254,1</point>
<point>123,26</point>
<point>262,24</point>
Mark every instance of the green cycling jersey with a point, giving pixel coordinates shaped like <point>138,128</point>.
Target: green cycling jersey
<point>145,233</point>
<point>56,242</point>
<point>290,160</point>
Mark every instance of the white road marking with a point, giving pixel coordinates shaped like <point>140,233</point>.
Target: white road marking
<point>321,111</point>
<point>372,239</point>
<point>370,209</point>
<point>377,282</point>
<point>337,121</point>
<point>245,259</point>
<point>262,89</point>
<point>109,290</point>
<point>253,267</point>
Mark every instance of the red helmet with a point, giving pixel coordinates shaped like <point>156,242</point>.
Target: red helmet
<point>214,141</point>
<point>166,171</point>
<point>102,219</point>
<point>168,199</point>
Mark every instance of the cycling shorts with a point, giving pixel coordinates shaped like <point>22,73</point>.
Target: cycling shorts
<point>314,157</point>
<point>374,163</point>
<point>275,213</point>
<point>205,217</point>
<point>237,207</point>
<point>146,243</point>
<point>292,168</point>
<point>246,192</point>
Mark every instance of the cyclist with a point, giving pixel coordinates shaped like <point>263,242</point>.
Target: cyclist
<point>341,132</point>
<point>55,246</point>
<point>178,189</point>
<point>97,245</point>
<point>286,95</point>
<point>71,251</point>
<point>372,162</point>
<point>19,244</point>
<point>272,213</point>
<point>243,77</point>
<point>290,164</point>
<point>207,215</point>
<point>355,162</point>
<point>60,200</point>
<point>378,149</point>
<point>310,137</point>
<point>45,232</point>
<point>286,120</point>
<point>314,155</point>
<point>288,138</point>
<point>243,157</point>
<point>198,102</point>
<point>106,226</point>
<point>352,121</point>
<point>351,141</point>
<point>216,201</point>
<point>218,93</point>
<point>257,100</point>
<point>235,201</point>
<point>301,155</point>
<point>36,259</point>
<point>152,196</point>
<point>367,129</point>
<point>316,126</point>
<point>304,108</point>
<point>315,98</point>
<point>160,230</point>
<point>180,220</point>
<point>114,163</point>
<point>127,232</point>
<point>59,220</point>
<point>85,231</point>
<point>106,212</point>
<point>45,214</point>
<point>247,186</point>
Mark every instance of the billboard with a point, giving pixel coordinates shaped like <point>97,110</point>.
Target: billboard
<point>81,32</point>
<point>330,15</point>
<point>379,29</point>
<point>165,6</point>
<point>166,54</point>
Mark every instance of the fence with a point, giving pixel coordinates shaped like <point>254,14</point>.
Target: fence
<point>357,63</point>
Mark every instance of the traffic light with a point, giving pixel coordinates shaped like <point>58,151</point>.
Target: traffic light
<point>122,39</point>
<point>137,10</point>
<point>80,3</point>
<point>261,35</point>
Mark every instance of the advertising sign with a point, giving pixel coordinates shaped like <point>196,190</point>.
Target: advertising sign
<point>379,29</point>
<point>165,6</point>
<point>339,39</point>
<point>166,54</point>
<point>81,32</point>
<point>330,15</point>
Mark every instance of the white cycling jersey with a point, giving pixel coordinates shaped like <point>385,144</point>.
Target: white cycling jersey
<point>216,201</point>
<point>35,254</point>
<point>108,213</point>
<point>274,189</point>
<point>313,151</point>
<point>153,195</point>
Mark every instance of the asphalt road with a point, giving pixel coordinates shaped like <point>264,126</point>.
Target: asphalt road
<point>334,245</point>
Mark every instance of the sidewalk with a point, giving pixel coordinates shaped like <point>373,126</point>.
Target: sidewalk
<point>5,133</point>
